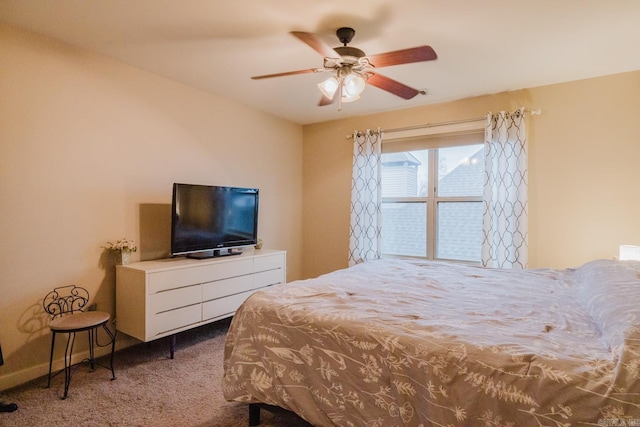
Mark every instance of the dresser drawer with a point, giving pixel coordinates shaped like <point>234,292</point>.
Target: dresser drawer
<point>268,278</point>
<point>175,298</point>
<point>223,307</point>
<point>174,319</point>
<point>222,288</point>
<point>270,262</point>
<point>178,278</point>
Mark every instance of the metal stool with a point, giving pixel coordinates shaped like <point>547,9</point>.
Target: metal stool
<point>65,305</point>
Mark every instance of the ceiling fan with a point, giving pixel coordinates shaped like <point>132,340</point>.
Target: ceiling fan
<point>353,68</point>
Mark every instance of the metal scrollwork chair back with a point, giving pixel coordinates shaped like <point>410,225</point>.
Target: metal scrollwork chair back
<point>66,306</point>
<point>65,300</point>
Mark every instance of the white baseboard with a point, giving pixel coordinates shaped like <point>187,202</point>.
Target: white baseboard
<point>23,376</point>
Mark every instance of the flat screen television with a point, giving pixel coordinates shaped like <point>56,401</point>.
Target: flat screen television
<point>211,220</point>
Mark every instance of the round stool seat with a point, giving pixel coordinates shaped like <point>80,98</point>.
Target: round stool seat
<point>79,321</point>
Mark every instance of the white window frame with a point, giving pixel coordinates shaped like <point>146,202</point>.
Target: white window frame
<point>431,138</point>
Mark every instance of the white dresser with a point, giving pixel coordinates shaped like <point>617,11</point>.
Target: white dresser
<point>160,298</point>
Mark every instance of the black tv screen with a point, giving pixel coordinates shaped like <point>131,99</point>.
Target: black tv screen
<point>206,219</point>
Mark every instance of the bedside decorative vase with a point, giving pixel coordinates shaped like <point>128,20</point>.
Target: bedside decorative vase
<point>123,257</point>
<point>121,250</point>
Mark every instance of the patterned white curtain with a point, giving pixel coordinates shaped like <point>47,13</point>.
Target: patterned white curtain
<point>365,227</point>
<point>505,220</point>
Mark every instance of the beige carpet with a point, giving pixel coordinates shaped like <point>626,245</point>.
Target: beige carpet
<point>150,390</point>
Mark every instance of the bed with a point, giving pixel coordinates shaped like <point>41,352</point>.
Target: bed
<point>420,343</point>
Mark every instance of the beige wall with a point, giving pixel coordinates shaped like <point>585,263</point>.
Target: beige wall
<point>89,149</point>
<point>583,170</point>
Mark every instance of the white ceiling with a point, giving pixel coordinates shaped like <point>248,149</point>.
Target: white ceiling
<point>483,46</point>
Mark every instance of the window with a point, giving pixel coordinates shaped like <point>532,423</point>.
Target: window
<point>432,202</point>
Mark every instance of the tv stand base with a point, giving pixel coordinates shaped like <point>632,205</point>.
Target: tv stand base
<point>215,253</point>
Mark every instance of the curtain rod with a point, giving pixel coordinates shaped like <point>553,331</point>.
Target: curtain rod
<point>451,122</point>
<point>430,125</point>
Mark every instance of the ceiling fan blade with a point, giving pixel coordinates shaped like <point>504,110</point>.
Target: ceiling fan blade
<point>392,86</point>
<point>288,73</point>
<point>404,56</point>
<point>316,44</point>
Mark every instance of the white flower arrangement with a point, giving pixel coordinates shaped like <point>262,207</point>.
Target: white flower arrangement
<point>122,245</point>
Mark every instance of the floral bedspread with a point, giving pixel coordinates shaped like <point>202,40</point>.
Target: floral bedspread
<point>418,343</point>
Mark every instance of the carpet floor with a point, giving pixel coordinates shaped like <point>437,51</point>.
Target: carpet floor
<point>150,390</point>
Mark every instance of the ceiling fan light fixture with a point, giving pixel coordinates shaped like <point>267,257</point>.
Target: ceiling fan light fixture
<point>346,98</point>
<point>352,87</point>
<point>329,87</point>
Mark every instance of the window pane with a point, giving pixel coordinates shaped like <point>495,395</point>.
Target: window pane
<point>461,171</point>
<point>404,229</point>
<point>405,174</point>
<point>459,231</point>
